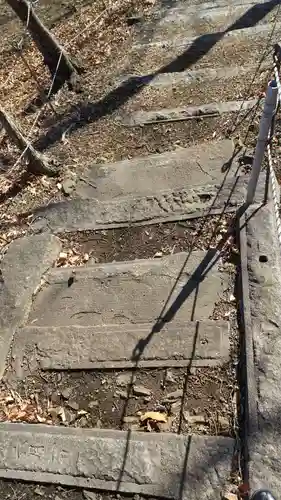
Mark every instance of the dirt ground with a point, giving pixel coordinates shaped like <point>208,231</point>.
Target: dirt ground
<point>201,401</point>
<point>11,490</point>
<point>142,242</point>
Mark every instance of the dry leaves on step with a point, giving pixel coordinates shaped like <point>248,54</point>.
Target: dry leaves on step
<point>71,257</point>
<point>155,421</point>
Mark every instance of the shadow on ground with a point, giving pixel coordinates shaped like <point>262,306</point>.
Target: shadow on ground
<point>86,112</point>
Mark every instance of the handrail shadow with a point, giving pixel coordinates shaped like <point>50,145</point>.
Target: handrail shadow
<point>113,100</point>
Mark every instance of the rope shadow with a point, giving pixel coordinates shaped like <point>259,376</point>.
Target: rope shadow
<point>87,112</point>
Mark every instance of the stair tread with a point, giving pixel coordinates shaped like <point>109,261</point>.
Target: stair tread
<point>157,464</point>
<point>75,347</point>
<point>131,292</point>
<point>80,214</point>
<point>199,164</point>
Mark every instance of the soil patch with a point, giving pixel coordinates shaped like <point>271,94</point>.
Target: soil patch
<point>141,242</point>
<point>202,401</point>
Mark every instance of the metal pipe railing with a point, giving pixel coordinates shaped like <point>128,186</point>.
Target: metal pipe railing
<point>268,114</point>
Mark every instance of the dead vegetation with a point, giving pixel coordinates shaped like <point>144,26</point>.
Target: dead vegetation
<point>97,35</point>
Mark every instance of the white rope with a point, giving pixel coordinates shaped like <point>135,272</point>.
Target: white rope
<point>275,191</point>
<point>277,79</point>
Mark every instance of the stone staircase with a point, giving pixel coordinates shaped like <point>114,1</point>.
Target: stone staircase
<point>190,61</point>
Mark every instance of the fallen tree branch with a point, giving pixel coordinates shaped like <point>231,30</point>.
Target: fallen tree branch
<point>37,163</point>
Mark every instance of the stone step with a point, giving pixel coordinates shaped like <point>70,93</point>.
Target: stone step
<point>245,46</point>
<point>194,88</point>
<point>164,465</point>
<point>196,20</point>
<point>192,77</point>
<point>167,5</point>
<point>22,266</point>
<point>131,292</point>
<point>202,343</point>
<point>166,115</point>
<point>199,164</point>
<point>81,214</point>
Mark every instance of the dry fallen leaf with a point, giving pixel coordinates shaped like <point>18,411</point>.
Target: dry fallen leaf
<point>61,413</point>
<point>40,419</point>
<point>229,496</point>
<point>154,415</point>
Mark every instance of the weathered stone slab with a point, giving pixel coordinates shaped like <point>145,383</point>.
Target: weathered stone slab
<point>206,51</point>
<point>138,118</point>
<point>234,34</point>
<point>163,206</point>
<point>195,20</point>
<point>164,465</point>
<point>130,292</point>
<point>200,164</point>
<point>79,348</point>
<point>192,77</point>
<point>264,268</point>
<point>22,267</point>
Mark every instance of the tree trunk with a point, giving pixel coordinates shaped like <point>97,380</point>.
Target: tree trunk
<point>52,52</point>
<point>37,163</point>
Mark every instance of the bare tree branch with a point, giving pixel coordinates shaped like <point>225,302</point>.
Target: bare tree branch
<point>37,163</point>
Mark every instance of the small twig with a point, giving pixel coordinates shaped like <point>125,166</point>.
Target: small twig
<point>87,182</point>
<point>204,171</point>
<point>182,119</point>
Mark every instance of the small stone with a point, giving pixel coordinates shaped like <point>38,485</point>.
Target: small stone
<point>158,255</point>
<point>54,412</point>
<point>90,495</point>
<point>83,422</point>
<point>93,404</point>
<point>68,185</point>
<point>125,379</point>
<point>73,405</point>
<point>196,419</point>
<point>172,396</point>
<point>38,491</point>
<point>175,406</point>
<point>169,377</point>
<point>121,394</point>
<point>69,416</point>
<point>66,393</point>
<point>130,419</point>
<point>147,399</point>
<point>161,408</point>
<point>139,390</point>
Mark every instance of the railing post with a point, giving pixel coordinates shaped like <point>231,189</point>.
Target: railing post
<point>264,131</point>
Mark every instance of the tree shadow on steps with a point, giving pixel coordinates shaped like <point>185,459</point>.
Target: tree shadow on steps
<point>89,112</point>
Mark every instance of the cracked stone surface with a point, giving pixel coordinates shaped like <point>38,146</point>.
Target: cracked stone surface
<point>264,266</point>
<point>22,267</point>
<point>162,206</point>
<point>155,464</point>
<point>131,292</point>
<point>200,164</point>
<point>74,347</point>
